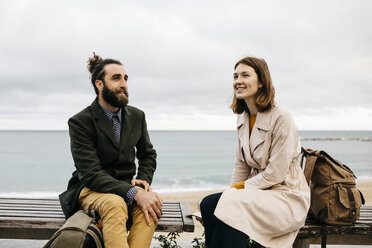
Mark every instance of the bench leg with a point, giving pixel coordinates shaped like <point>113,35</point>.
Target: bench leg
<point>301,243</point>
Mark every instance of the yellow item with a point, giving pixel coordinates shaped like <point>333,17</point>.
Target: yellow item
<point>239,185</point>
<point>252,120</point>
<point>114,213</point>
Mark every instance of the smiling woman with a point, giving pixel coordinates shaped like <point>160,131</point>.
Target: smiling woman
<point>245,82</point>
<point>267,185</point>
<point>252,80</point>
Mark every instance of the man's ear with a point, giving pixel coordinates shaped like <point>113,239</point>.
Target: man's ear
<point>99,85</point>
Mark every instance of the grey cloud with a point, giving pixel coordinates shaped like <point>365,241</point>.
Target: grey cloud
<point>180,55</point>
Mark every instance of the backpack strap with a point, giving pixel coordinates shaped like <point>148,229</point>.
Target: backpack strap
<point>96,234</point>
<point>352,202</point>
<point>309,164</point>
<point>95,228</point>
<point>362,197</point>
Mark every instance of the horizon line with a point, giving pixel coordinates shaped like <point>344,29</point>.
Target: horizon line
<point>184,130</point>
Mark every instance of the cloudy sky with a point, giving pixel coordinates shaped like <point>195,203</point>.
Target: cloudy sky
<point>180,57</point>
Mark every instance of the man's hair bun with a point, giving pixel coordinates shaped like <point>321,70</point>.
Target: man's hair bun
<point>96,68</point>
<point>93,62</point>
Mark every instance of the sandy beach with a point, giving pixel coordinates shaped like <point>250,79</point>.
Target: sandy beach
<point>193,198</point>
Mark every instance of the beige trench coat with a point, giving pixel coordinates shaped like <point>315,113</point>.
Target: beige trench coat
<point>275,200</point>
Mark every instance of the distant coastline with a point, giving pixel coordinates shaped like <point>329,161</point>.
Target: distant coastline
<point>305,135</point>
<point>337,139</point>
<point>180,130</point>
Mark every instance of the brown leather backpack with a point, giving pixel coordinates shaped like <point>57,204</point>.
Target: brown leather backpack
<point>81,230</point>
<point>335,199</point>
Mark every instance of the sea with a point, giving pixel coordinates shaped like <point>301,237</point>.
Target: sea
<point>39,164</point>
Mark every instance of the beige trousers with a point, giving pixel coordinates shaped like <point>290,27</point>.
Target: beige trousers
<point>114,213</point>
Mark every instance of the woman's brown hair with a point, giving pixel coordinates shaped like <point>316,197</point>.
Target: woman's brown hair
<point>264,97</point>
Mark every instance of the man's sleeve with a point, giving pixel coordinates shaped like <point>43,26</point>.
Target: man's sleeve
<point>146,155</point>
<point>87,163</point>
<point>129,197</point>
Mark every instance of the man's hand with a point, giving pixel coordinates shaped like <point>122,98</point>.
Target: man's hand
<point>135,182</point>
<point>149,203</point>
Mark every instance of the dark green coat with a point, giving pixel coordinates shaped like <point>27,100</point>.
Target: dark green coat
<point>101,164</point>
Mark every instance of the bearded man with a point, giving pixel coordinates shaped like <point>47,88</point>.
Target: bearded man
<point>105,139</point>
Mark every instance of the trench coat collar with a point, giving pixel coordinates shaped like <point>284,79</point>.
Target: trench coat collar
<point>262,120</point>
<point>104,124</point>
<point>241,119</point>
<point>243,134</point>
<point>249,142</point>
<point>259,132</point>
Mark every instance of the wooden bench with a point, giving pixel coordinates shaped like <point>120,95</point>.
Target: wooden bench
<point>358,234</point>
<point>22,218</point>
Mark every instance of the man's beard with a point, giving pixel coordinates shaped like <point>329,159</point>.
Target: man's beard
<point>110,97</point>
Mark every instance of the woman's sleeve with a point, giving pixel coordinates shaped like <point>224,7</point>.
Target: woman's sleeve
<point>284,149</point>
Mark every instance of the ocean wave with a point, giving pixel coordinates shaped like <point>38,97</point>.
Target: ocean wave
<point>160,190</point>
<point>186,189</point>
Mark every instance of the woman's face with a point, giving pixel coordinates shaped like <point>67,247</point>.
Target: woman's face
<point>245,82</point>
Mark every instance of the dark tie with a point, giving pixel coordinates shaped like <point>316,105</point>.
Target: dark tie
<point>117,126</point>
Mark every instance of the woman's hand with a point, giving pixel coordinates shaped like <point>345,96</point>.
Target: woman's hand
<point>135,182</point>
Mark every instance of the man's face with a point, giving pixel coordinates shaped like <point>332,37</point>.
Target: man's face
<point>115,88</point>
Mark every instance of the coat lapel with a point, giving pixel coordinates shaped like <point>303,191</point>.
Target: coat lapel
<point>260,129</point>
<point>249,143</point>
<point>126,128</point>
<point>243,133</point>
<point>103,122</point>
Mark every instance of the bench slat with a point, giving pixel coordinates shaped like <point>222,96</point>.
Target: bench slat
<point>33,207</point>
<point>26,216</point>
<point>358,234</point>
<point>187,219</point>
<point>22,218</point>
<point>10,213</point>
